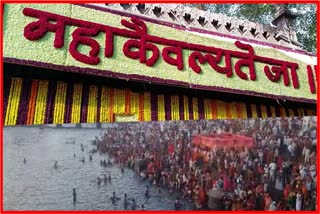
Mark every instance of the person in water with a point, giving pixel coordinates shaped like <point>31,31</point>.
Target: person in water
<point>142,206</point>
<point>99,181</point>
<point>74,155</point>
<point>56,164</point>
<point>74,193</point>
<point>147,192</point>
<point>114,198</point>
<point>82,160</point>
<point>134,204</point>
<point>125,202</point>
<point>105,179</point>
<point>24,160</point>
<point>177,204</point>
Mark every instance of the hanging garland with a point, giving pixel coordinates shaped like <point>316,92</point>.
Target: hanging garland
<point>147,107</point>
<point>186,107</point>
<point>92,104</point>
<point>104,105</point>
<point>161,108</point>
<point>195,108</point>
<point>76,103</point>
<point>41,102</point>
<point>32,103</point>
<point>9,111</point>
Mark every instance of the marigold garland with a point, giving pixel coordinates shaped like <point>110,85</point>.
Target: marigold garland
<point>141,107</point>
<point>207,109</point>
<point>58,116</point>
<point>104,105</point>
<point>228,110</point>
<point>233,110</point>
<point>254,111</point>
<point>111,104</point>
<point>214,109</point>
<point>9,105</point>
<point>92,104</point>
<point>264,111</point>
<point>186,107</point>
<point>32,102</point>
<point>76,103</point>
<point>161,108</point>
<point>127,102</point>
<point>175,107</point>
<point>221,111</point>
<point>273,111</point>
<point>147,107</point>
<point>195,108</point>
<point>134,103</point>
<point>121,101</point>
<point>41,102</point>
<point>13,102</point>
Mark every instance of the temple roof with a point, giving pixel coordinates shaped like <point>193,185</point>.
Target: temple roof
<point>192,17</point>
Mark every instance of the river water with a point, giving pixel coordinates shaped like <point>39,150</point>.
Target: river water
<point>37,185</point>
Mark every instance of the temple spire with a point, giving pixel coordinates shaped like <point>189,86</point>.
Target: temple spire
<point>284,21</point>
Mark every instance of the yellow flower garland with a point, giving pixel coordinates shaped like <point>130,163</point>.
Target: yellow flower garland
<point>13,102</point>
<point>195,108</point>
<point>254,111</point>
<point>41,102</point>
<point>207,109</point>
<point>92,104</point>
<point>76,103</point>
<point>233,109</point>
<point>8,117</point>
<point>264,111</point>
<point>134,103</point>
<point>161,109</point>
<point>103,105</point>
<point>147,107</point>
<point>186,108</point>
<point>175,108</point>
<point>60,99</point>
<point>221,111</point>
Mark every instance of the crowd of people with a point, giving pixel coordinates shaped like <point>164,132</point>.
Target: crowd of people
<point>277,173</point>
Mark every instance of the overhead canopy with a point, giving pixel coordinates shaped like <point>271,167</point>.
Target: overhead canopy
<point>209,141</point>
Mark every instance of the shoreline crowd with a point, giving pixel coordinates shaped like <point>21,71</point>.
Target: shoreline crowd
<point>277,173</point>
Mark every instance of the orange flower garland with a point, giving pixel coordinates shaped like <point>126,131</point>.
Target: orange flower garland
<point>32,103</point>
